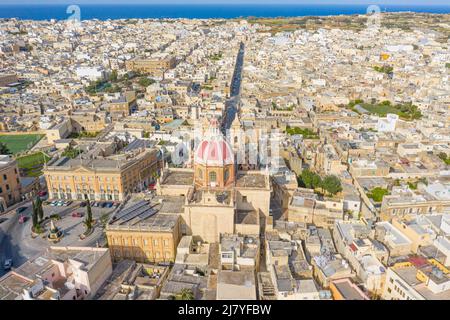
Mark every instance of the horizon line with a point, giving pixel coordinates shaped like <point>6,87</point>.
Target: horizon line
<point>222,3</point>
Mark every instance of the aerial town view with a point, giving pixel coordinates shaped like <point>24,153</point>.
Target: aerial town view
<point>235,152</point>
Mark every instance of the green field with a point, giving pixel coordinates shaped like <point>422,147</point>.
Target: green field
<point>20,142</point>
<point>406,111</point>
<point>31,165</point>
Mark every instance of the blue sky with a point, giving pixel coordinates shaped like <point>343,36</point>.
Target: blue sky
<point>384,2</point>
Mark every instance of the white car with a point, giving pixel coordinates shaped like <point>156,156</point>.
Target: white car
<point>8,264</point>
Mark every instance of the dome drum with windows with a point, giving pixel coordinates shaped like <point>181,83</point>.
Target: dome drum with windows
<point>214,160</point>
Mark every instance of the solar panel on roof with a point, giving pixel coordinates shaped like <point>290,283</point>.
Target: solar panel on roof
<point>130,209</point>
<point>132,214</point>
<point>150,212</point>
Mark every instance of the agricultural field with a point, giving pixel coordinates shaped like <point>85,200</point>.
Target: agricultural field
<point>20,142</point>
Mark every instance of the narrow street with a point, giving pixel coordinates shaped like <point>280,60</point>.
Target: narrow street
<point>235,90</point>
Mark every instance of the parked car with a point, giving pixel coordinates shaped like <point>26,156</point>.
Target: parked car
<point>109,204</point>
<point>22,219</point>
<point>104,204</point>
<point>54,203</point>
<point>97,204</point>
<point>68,203</point>
<point>42,193</point>
<point>21,209</point>
<point>83,204</point>
<point>60,203</point>
<point>7,265</point>
<point>78,214</point>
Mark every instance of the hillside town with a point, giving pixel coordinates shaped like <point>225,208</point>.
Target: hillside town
<point>213,159</point>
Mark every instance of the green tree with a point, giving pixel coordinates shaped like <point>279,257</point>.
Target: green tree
<point>4,149</point>
<point>71,152</point>
<point>316,181</point>
<point>331,184</point>
<point>39,209</point>
<point>377,194</point>
<point>311,180</point>
<point>88,220</point>
<point>185,294</point>
<point>145,82</point>
<point>443,157</point>
<point>306,177</point>
<point>34,215</point>
<point>113,76</point>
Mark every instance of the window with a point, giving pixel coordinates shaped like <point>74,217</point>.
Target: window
<point>244,198</point>
<point>389,290</point>
<point>227,175</point>
<point>5,177</point>
<point>7,187</point>
<point>200,173</point>
<point>227,255</point>
<point>166,243</point>
<point>212,176</point>
<point>145,242</point>
<point>155,242</point>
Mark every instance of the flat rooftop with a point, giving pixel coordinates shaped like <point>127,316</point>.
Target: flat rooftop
<point>12,285</point>
<point>184,178</point>
<point>240,278</point>
<point>349,290</point>
<point>251,180</point>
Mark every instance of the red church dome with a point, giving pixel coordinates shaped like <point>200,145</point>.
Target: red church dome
<point>214,150</point>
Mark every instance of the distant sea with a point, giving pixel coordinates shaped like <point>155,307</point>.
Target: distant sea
<point>126,11</point>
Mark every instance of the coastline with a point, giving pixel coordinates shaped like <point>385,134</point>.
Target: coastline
<point>43,12</point>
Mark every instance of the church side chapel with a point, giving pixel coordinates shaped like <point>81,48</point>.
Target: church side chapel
<point>218,198</point>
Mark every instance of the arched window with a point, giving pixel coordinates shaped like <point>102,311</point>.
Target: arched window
<point>226,175</point>
<point>212,176</point>
<point>200,173</point>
